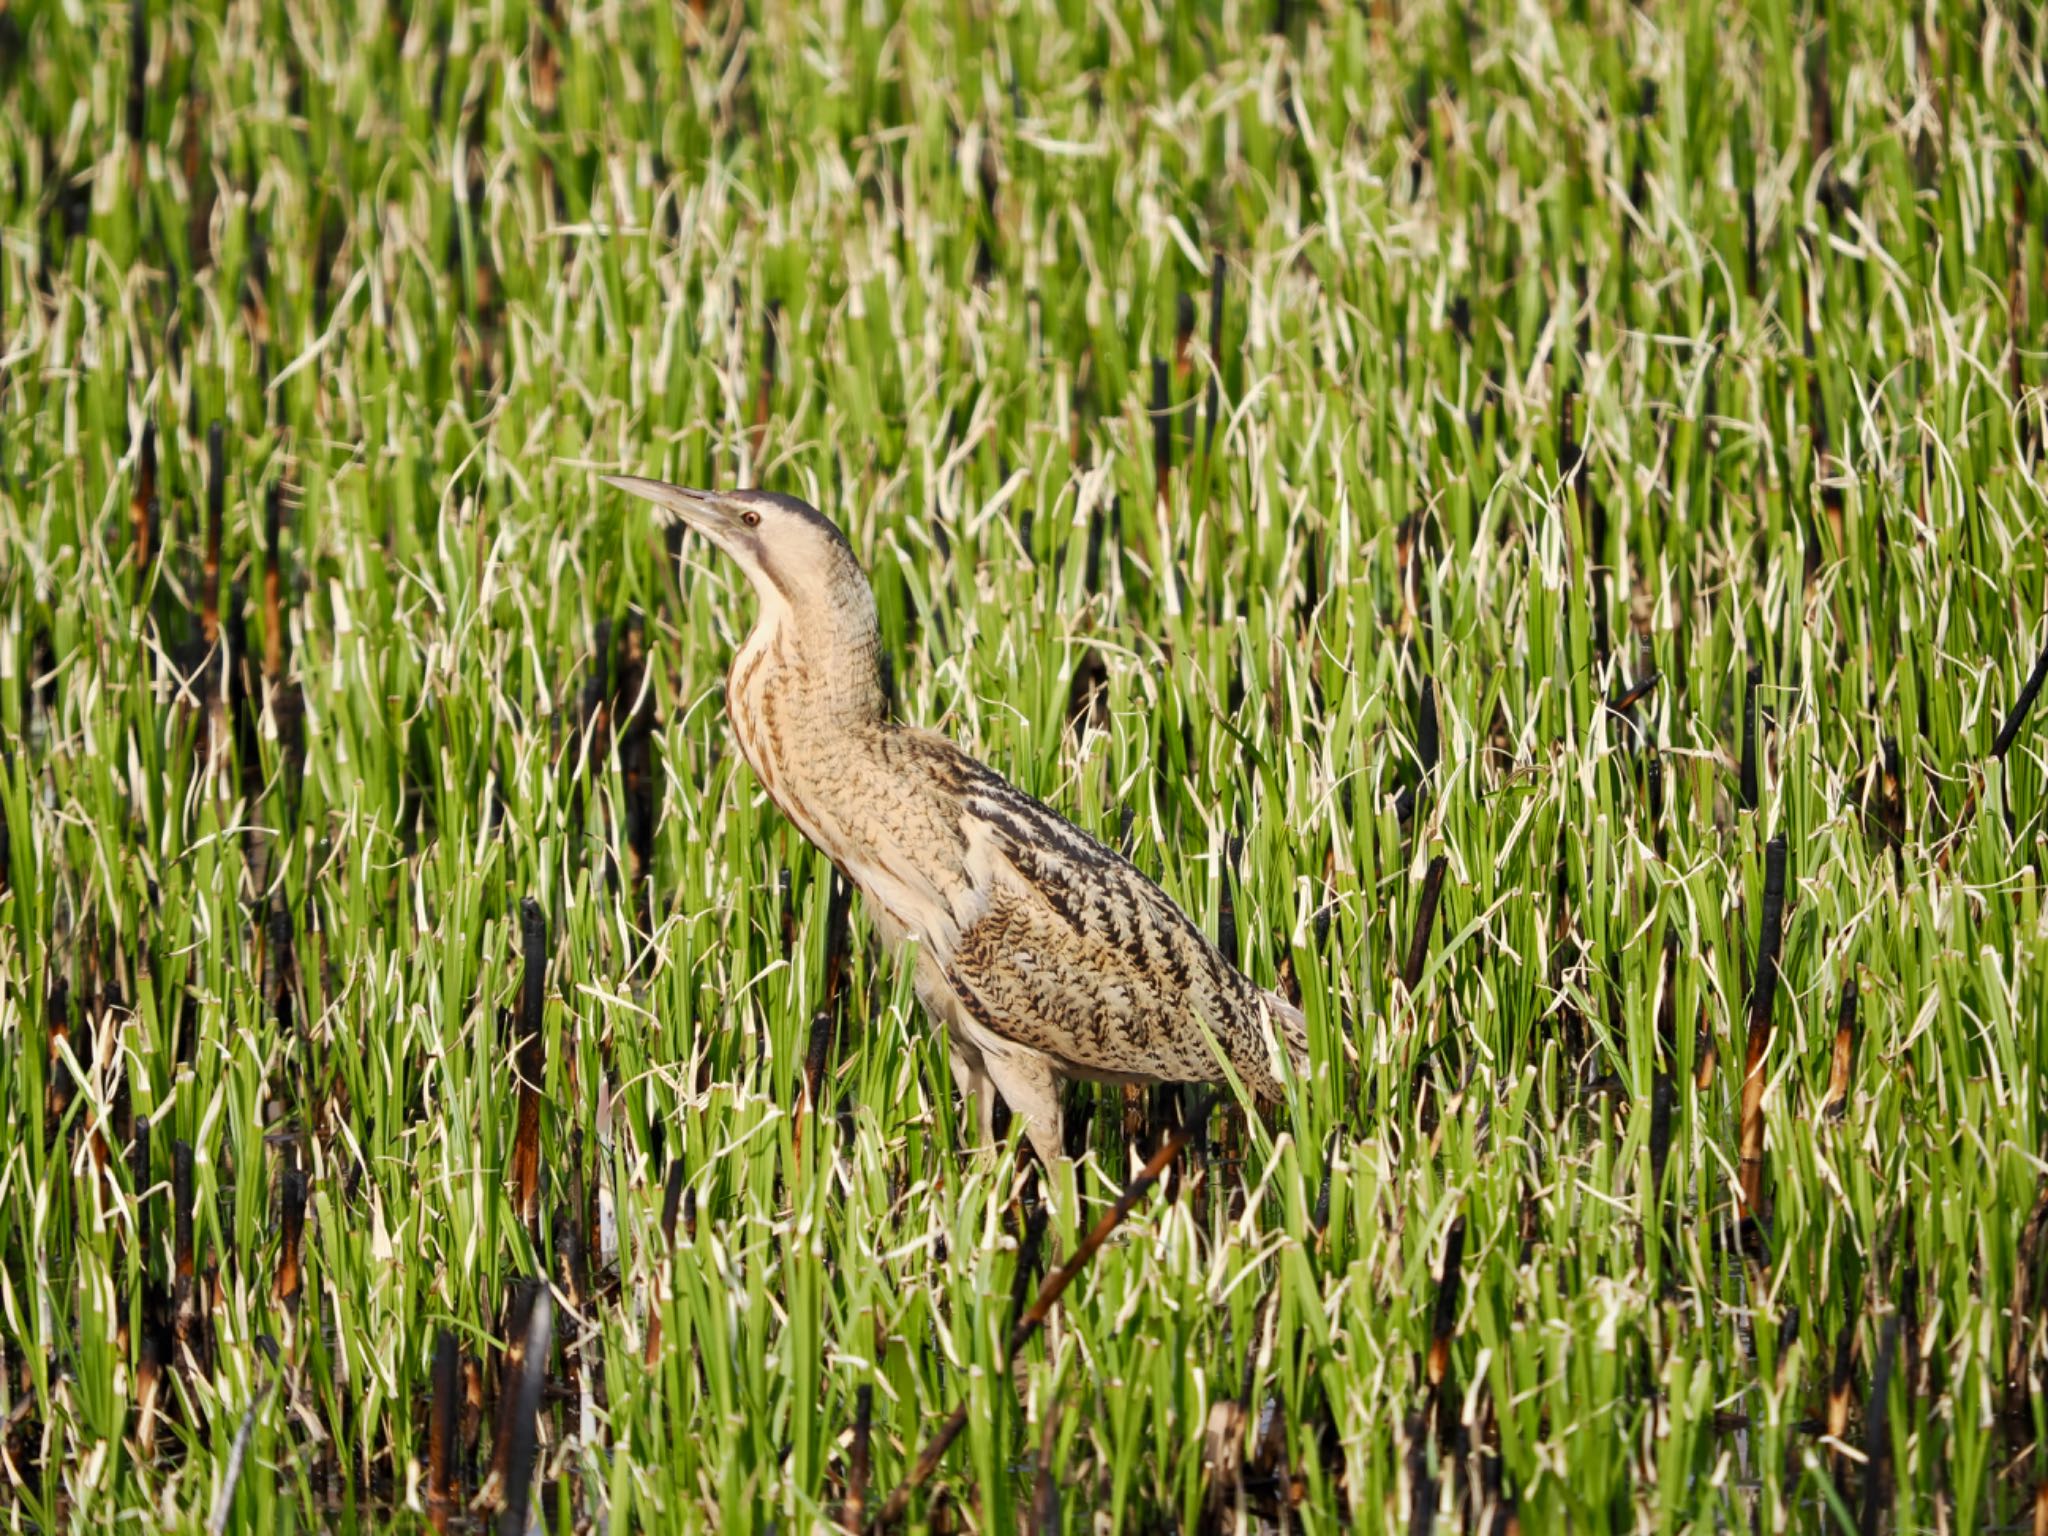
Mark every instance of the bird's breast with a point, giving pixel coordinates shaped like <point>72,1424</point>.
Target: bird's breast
<point>877,819</point>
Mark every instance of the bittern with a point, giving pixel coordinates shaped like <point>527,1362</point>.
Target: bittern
<point>1045,955</point>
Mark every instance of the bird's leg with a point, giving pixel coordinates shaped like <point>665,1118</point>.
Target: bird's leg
<point>1031,1088</point>
<point>970,1076</point>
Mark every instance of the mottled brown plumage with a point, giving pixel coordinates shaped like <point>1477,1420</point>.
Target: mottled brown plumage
<point>1045,955</point>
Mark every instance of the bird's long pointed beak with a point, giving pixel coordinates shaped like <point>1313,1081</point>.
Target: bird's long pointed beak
<point>701,510</point>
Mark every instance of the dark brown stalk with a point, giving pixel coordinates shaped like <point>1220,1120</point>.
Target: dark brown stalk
<point>764,387</point>
<point>238,1454</point>
<point>1183,338</point>
<point>293,1211</point>
<point>1428,744</point>
<point>2021,1335</point>
<point>569,1270</point>
<point>838,940</point>
<point>1319,1219</point>
<point>1841,1382</point>
<point>1213,402</point>
<point>138,1180</point>
<point>1029,1251</point>
<point>814,1074</point>
<point>273,582</point>
<point>443,1427</point>
<point>1663,1090</point>
<point>2015,296</point>
<point>854,1509</point>
<point>991,178</point>
<point>138,88</point>
<point>671,1202</point>
<point>1634,693</point>
<point>530,1058</point>
<point>1445,1317</point>
<point>1425,923</point>
<point>1877,1431</point>
<point>1762,999</point>
<point>546,68</point>
<point>519,1304</point>
<point>1162,431</point>
<point>1749,727</point>
<point>200,219</point>
<point>634,713</point>
<point>187,1298</point>
<point>216,502</point>
<point>142,501</point>
<point>2009,732</point>
<point>149,1387</point>
<point>1836,1104</point>
<point>1045,1487</point>
<point>522,1435</point>
<point>57,1019</point>
<point>1422,1485</point>
<point>1048,1296</point>
<point>1442,1324</point>
<point>277,964</point>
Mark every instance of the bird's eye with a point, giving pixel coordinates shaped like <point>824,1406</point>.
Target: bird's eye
<point>751,518</point>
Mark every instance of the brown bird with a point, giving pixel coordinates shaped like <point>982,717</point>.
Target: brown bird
<point>1044,954</point>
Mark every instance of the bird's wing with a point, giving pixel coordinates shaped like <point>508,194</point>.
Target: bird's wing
<point>1077,954</point>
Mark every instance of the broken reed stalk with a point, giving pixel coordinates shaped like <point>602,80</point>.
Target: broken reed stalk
<point>1762,998</point>
<point>1425,922</point>
<point>1048,1296</point>
<point>854,1508</point>
<point>522,1437</point>
<point>530,1062</point>
<point>443,1426</point>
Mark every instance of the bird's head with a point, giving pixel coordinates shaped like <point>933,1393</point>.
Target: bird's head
<point>786,547</point>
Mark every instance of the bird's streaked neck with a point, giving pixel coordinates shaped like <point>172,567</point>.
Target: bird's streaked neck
<point>818,653</point>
